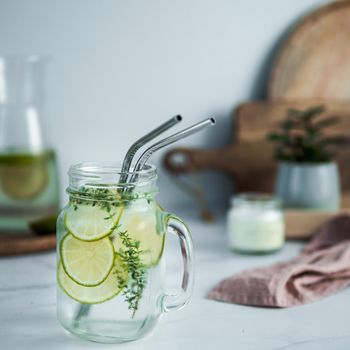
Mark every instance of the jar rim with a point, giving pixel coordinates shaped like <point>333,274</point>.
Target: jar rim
<point>104,181</point>
<point>109,170</point>
<point>256,200</point>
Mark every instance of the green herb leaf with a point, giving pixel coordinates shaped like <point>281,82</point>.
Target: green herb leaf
<point>300,138</point>
<point>130,255</point>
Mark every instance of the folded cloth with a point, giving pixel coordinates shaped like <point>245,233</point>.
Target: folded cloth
<point>321,269</point>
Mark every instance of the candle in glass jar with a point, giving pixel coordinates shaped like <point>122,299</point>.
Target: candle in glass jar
<point>255,223</point>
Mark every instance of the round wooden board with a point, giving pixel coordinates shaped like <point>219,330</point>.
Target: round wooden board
<point>314,61</point>
<point>12,244</point>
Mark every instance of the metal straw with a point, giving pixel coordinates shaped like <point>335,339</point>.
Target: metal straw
<point>169,140</point>
<point>142,141</point>
<point>84,308</point>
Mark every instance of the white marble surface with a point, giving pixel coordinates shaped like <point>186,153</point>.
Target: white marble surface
<point>28,321</point>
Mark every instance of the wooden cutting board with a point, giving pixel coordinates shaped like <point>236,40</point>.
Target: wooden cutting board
<point>248,159</point>
<point>15,244</point>
<point>314,61</point>
<point>301,224</point>
<point>311,68</point>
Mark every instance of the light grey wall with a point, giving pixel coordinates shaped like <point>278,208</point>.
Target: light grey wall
<point>122,67</point>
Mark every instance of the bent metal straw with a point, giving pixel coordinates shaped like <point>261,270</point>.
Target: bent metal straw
<point>141,142</point>
<point>85,308</point>
<point>169,140</point>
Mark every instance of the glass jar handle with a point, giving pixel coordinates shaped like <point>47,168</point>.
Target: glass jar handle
<point>176,301</point>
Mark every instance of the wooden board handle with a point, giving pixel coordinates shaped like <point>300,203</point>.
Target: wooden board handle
<point>184,160</point>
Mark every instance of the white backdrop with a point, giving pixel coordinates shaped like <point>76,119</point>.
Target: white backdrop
<point>122,67</point>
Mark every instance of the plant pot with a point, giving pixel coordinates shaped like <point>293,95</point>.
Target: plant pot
<point>308,186</point>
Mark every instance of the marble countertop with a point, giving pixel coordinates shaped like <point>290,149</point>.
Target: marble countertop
<point>28,320</point>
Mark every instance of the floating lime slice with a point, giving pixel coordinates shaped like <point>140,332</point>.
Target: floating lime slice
<point>87,263</point>
<point>108,289</point>
<point>90,223</point>
<point>141,226</point>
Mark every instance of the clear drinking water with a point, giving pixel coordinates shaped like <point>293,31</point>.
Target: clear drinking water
<point>112,321</point>
<point>110,255</point>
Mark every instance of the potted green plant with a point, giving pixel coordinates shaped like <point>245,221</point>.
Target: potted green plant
<point>307,175</point>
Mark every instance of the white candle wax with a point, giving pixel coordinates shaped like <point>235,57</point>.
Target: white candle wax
<point>255,227</point>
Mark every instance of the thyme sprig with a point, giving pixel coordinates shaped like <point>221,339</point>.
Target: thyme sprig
<point>102,197</point>
<point>137,271</point>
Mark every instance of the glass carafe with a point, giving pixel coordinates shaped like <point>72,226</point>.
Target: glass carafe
<point>110,255</point>
<point>28,175</point>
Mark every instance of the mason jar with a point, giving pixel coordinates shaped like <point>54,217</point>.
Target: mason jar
<point>255,223</point>
<point>110,254</point>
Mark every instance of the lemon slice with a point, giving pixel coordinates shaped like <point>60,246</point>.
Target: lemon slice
<point>90,223</point>
<point>142,227</point>
<point>87,263</point>
<point>108,289</point>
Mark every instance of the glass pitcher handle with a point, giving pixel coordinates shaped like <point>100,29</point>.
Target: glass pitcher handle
<point>176,301</point>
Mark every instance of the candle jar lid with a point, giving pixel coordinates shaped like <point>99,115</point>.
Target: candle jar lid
<point>257,201</point>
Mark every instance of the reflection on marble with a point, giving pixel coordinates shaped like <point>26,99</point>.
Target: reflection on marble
<point>28,320</point>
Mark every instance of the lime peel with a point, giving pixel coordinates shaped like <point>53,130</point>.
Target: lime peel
<point>107,290</point>
<point>142,228</point>
<point>87,263</point>
<point>90,223</point>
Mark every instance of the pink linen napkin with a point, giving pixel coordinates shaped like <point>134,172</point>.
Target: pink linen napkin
<point>321,269</point>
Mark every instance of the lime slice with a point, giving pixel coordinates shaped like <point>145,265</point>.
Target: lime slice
<point>90,223</point>
<point>109,288</point>
<point>142,227</point>
<point>23,176</point>
<point>87,263</point>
